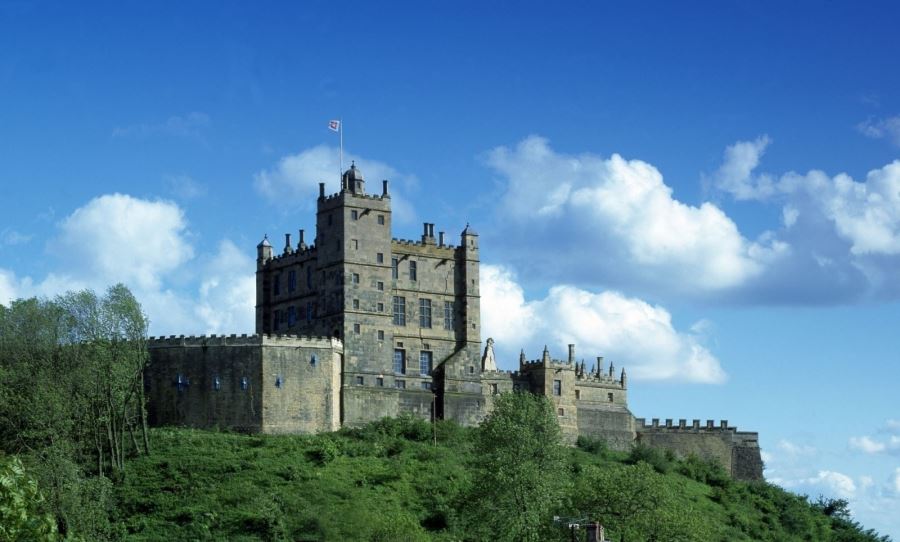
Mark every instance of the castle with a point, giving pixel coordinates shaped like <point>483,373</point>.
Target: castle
<point>358,326</point>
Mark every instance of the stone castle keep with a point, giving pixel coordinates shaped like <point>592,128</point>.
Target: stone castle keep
<point>358,326</point>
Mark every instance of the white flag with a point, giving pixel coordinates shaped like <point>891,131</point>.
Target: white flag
<point>334,125</point>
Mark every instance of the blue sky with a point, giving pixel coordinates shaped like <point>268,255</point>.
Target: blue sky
<point>706,194</point>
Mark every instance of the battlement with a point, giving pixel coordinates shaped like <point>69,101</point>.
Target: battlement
<point>173,341</point>
<point>420,244</point>
<point>338,195</point>
<point>291,257</point>
<point>668,425</point>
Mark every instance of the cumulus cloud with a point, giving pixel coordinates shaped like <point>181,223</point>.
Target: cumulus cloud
<point>827,482</point>
<point>617,218</point>
<point>8,287</point>
<point>886,128</point>
<point>888,442</point>
<point>795,449</point>
<point>119,238</point>
<point>734,175</point>
<point>227,294</point>
<point>628,331</point>
<point>294,180</point>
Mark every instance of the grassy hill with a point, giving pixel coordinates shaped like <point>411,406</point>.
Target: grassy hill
<point>390,481</point>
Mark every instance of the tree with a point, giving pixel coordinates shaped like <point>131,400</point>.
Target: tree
<point>520,472</point>
<point>21,514</point>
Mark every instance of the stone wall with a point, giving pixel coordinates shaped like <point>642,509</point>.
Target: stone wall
<point>269,384</point>
<point>737,451</point>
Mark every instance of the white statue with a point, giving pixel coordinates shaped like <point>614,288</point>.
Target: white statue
<point>488,363</point>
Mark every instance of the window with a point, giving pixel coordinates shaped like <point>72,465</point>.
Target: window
<point>244,383</point>
<point>356,328</point>
<point>276,319</point>
<point>181,382</point>
<point>360,381</point>
<point>560,412</point>
<point>426,385</point>
<point>292,280</point>
<point>448,315</point>
<point>380,305</point>
<point>330,220</point>
<point>424,313</point>
<point>412,270</point>
<point>292,316</point>
<point>355,278</point>
<point>557,387</point>
<point>400,384</point>
<point>379,258</point>
<point>380,334</point>
<point>276,285</point>
<point>399,311</point>
<point>610,397</point>
<point>494,389</point>
<point>471,369</point>
<point>313,360</point>
<point>354,214</point>
<point>356,303</point>
<point>425,363</point>
<point>355,244</point>
<point>309,311</point>
<point>381,220</point>
<point>577,394</point>
<point>380,286</point>
<point>278,381</point>
<point>379,382</point>
<point>217,384</point>
<point>395,264</point>
<point>399,361</point>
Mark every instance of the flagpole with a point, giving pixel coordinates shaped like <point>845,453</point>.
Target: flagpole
<point>341,134</point>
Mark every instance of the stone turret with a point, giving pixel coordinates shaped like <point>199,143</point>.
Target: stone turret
<point>353,180</point>
<point>263,250</point>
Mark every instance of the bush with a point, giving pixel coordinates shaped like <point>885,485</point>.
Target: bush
<point>659,460</point>
<point>594,446</point>
<point>705,471</point>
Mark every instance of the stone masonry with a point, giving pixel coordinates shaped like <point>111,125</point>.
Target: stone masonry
<point>358,326</point>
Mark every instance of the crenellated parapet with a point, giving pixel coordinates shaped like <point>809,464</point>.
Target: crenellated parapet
<point>298,341</point>
<point>682,425</point>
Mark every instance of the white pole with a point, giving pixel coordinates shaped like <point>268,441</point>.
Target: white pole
<point>341,133</point>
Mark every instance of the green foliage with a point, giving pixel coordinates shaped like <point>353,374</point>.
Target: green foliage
<point>596,446</point>
<point>71,400</point>
<point>22,516</point>
<point>660,460</point>
<point>520,467</point>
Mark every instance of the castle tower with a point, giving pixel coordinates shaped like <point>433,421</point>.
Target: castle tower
<point>353,236</point>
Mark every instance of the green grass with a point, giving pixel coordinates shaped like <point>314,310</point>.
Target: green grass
<point>388,481</point>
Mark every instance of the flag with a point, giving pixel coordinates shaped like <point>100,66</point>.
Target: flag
<point>334,125</point>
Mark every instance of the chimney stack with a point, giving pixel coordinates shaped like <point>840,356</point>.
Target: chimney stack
<point>321,190</point>
<point>302,244</point>
<point>441,238</point>
<point>571,354</point>
<point>287,244</point>
<point>384,188</point>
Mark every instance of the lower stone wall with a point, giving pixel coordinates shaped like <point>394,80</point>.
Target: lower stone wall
<point>615,425</point>
<point>737,451</point>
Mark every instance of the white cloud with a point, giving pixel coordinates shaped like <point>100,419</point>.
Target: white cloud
<point>12,237</point>
<point>227,295</point>
<point>826,482</point>
<point>628,331</point>
<point>9,289</point>
<point>294,180</point>
<point>184,186</point>
<point>190,126</point>
<point>795,449</point>
<point>734,175</point>
<point>867,444</point>
<point>886,128</point>
<point>895,481</point>
<point>619,217</point>
<point>119,238</point>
